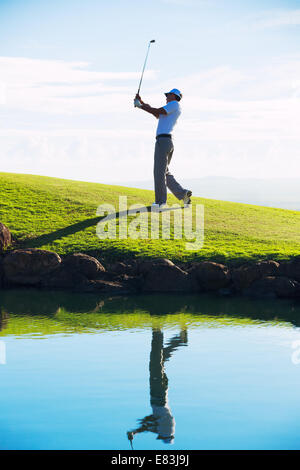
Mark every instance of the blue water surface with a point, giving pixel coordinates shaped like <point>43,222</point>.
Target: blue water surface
<point>193,377</point>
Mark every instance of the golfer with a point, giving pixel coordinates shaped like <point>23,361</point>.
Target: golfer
<point>167,117</point>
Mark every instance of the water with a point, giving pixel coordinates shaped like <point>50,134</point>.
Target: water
<point>168,372</point>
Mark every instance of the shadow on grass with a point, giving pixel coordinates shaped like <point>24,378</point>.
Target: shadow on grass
<point>112,252</point>
<point>48,238</point>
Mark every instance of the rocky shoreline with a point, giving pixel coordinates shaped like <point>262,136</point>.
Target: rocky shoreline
<point>83,273</point>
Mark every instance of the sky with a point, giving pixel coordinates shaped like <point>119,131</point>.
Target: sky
<point>69,71</point>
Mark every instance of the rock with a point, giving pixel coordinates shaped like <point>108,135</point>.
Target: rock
<point>265,287</point>
<point>145,266</point>
<point>272,286</point>
<point>86,265</point>
<point>5,237</point>
<point>107,287</point>
<point>210,275</point>
<point>166,277</point>
<point>246,274</point>
<point>64,278</point>
<point>290,269</point>
<point>286,287</point>
<point>135,283</point>
<point>285,268</point>
<point>243,276</point>
<point>28,266</point>
<point>120,268</point>
<point>1,273</point>
<point>267,268</point>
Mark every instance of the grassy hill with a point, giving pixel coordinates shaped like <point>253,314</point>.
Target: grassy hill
<point>60,215</point>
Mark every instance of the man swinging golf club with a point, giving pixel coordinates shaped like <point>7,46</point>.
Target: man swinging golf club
<point>167,117</point>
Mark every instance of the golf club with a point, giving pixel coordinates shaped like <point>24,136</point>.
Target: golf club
<point>153,40</point>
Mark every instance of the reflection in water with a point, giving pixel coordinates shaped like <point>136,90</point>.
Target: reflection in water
<point>3,319</point>
<point>256,403</point>
<point>161,421</point>
<point>67,307</point>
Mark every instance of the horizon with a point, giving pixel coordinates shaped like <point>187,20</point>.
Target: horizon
<point>231,189</point>
<point>118,182</point>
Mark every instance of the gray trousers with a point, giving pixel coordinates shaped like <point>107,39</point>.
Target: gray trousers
<point>162,177</point>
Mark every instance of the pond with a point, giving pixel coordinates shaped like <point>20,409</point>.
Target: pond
<point>148,372</point>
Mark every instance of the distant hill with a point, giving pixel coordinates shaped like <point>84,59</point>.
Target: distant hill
<point>275,192</point>
<point>60,215</point>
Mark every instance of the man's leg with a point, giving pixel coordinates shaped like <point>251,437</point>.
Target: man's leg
<point>163,148</point>
<point>172,184</point>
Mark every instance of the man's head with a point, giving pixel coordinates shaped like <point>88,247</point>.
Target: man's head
<point>172,95</point>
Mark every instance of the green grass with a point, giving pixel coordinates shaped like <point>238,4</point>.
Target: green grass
<point>60,215</point>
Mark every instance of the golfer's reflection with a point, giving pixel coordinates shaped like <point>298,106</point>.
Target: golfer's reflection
<point>161,420</point>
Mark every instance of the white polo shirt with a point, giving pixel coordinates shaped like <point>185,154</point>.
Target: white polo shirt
<point>166,122</point>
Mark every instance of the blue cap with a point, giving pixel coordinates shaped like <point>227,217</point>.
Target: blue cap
<point>175,92</point>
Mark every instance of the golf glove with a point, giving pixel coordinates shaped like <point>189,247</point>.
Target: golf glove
<point>137,103</point>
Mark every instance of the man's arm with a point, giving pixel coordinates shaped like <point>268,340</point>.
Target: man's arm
<point>154,111</point>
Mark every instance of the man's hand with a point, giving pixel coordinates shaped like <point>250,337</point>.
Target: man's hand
<point>137,103</point>
<point>137,96</point>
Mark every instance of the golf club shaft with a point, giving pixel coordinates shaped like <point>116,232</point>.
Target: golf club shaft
<point>144,67</point>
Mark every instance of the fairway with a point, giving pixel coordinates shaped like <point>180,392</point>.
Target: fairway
<point>60,215</point>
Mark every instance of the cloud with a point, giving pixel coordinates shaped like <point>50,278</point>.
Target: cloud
<point>2,93</point>
<point>64,87</point>
<point>57,71</point>
<point>277,18</point>
<point>62,119</point>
